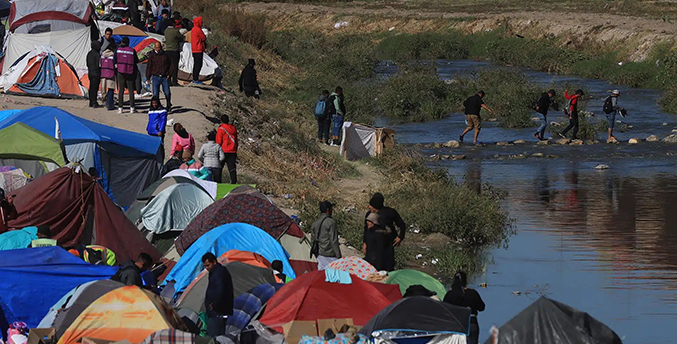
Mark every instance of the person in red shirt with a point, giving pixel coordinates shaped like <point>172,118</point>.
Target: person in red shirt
<point>197,43</point>
<point>226,137</point>
<point>573,112</point>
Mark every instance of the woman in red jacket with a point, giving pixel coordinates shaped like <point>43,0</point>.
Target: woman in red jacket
<point>573,112</point>
<point>197,44</point>
<point>226,137</point>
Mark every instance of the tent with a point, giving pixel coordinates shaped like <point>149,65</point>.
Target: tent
<point>30,150</point>
<point>174,208</point>
<point>127,162</point>
<point>549,321</point>
<point>207,185</point>
<point>406,278</point>
<point>310,298</point>
<point>42,72</point>
<point>173,336</point>
<point>134,211</point>
<point>209,65</point>
<point>239,236</point>
<point>12,178</point>
<point>245,277</point>
<point>78,211</point>
<point>362,141</point>
<point>419,316</point>
<point>128,312</point>
<point>251,303</point>
<point>354,265</point>
<point>44,272</point>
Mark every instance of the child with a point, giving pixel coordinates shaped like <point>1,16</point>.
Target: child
<point>193,166</point>
<point>212,156</point>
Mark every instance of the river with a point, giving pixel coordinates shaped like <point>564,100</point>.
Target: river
<point>602,241</point>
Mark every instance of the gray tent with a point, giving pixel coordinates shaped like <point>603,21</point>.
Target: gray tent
<point>174,208</point>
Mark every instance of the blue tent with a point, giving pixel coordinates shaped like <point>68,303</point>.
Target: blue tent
<point>231,236</point>
<point>127,162</point>
<point>33,279</point>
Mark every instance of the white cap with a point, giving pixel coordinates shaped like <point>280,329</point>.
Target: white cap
<point>616,92</point>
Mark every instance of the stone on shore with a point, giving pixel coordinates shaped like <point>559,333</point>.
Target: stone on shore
<point>634,140</point>
<point>652,138</point>
<point>445,157</point>
<point>502,143</point>
<point>543,142</point>
<point>612,141</point>
<point>602,167</point>
<point>437,145</point>
<point>538,155</point>
<point>519,141</point>
<point>563,141</point>
<point>670,138</point>
<point>451,144</point>
<point>458,157</point>
<point>576,143</point>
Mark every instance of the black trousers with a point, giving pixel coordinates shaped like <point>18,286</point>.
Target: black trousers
<point>573,124</point>
<point>126,80</point>
<point>474,337</point>
<point>323,126</point>
<point>94,82</point>
<point>197,65</point>
<point>216,326</point>
<point>231,158</point>
<point>175,57</point>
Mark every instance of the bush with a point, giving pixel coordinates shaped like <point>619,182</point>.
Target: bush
<point>424,46</point>
<point>414,95</point>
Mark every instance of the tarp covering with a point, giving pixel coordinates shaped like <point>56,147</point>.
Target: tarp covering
<point>421,315</point>
<point>129,313</point>
<point>354,265</point>
<point>406,278</point>
<point>20,141</point>
<point>78,211</point>
<point>362,141</point>
<point>174,208</point>
<point>18,239</point>
<point>44,272</point>
<point>47,75</point>
<point>238,236</point>
<point>209,66</point>
<point>549,321</point>
<point>249,304</point>
<point>29,11</point>
<point>245,208</point>
<point>73,45</point>
<point>299,300</point>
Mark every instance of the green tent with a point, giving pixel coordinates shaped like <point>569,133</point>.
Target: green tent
<point>30,150</point>
<point>407,277</point>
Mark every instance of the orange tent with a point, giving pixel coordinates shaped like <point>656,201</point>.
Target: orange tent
<point>129,313</point>
<point>39,78</point>
<point>250,258</point>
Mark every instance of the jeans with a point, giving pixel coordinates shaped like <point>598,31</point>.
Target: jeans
<point>323,129</point>
<point>175,57</point>
<point>544,124</point>
<point>611,118</point>
<point>94,82</point>
<point>337,123</point>
<point>231,158</point>
<point>216,173</point>
<point>573,123</point>
<point>110,99</point>
<point>158,81</point>
<point>197,65</point>
<point>126,80</point>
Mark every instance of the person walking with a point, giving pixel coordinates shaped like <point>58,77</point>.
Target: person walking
<point>212,156</point>
<point>157,120</point>
<point>157,72</point>
<point>226,137</point>
<point>323,120</point>
<point>473,105</point>
<point>390,220</point>
<point>198,41</point>
<point>125,61</point>
<point>611,109</point>
<point>182,138</point>
<point>219,296</point>
<point>542,107</point>
<point>462,296</point>
<point>107,62</point>
<point>249,82</point>
<point>173,46</point>
<point>94,73</point>
<point>324,240</point>
<point>337,111</point>
<point>572,109</point>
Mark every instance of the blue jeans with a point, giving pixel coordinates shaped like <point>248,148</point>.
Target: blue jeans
<point>337,123</point>
<point>161,81</point>
<point>110,99</point>
<point>611,118</point>
<point>544,124</point>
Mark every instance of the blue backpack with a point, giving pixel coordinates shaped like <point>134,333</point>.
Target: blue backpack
<point>320,108</point>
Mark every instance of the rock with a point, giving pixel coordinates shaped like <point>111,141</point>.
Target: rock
<point>502,143</point>
<point>634,141</point>
<point>538,155</point>
<point>674,130</point>
<point>543,142</point>
<point>519,142</point>
<point>517,156</point>
<point>451,144</point>
<point>652,138</point>
<point>589,142</point>
<point>552,156</point>
<point>602,167</point>
<point>437,145</point>
<point>458,157</point>
<point>670,139</point>
<point>576,143</point>
<point>612,141</point>
<point>665,124</point>
<point>563,141</point>
<point>445,157</point>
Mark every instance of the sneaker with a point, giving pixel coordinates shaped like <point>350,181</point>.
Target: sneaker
<point>537,136</point>
<point>119,110</point>
<point>131,110</point>
<point>460,138</point>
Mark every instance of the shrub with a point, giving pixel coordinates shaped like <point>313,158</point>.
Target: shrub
<point>424,46</point>
<point>415,94</point>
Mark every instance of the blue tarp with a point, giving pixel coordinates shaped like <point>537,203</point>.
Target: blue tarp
<point>231,236</point>
<point>133,40</point>
<point>33,279</point>
<point>17,239</point>
<point>6,113</point>
<point>44,82</point>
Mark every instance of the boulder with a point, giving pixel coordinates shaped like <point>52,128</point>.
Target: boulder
<point>451,144</point>
<point>634,140</point>
<point>519,142</point>
<point>652,138</point>
<point>602,167</point>
<point>670,139</point>
<point>538,155</point>
<point>563,141</point>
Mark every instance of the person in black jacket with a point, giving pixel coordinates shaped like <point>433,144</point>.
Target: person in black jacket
<point>249,82</point>
<point>130,272</point>
<point>389,219</point>
<point>462,296</point>
<point>542,107</point>
<point>94,72</point>
<point>219,296</point>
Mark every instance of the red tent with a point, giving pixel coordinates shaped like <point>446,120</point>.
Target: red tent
<point>310,298</point>
<point>78,211</point>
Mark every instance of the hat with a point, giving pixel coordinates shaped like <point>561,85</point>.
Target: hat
<point>373,218</point>
<point>552,91</point>
<point>326,205</point>
<point>377,200</point>
<point>187,154</point>
<point>616,92</point>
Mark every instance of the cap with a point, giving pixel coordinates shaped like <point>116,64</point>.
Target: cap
<point>326,205</point>
<point>552,91</point>
<point>616,92</point>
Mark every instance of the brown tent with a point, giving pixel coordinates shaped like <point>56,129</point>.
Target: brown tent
<point>78,211</point>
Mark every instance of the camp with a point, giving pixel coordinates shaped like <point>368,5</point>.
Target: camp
<point>31,150</point>
<point>363,141</point>
<point>250,304</point>
<point>355,266</point>
<point>405,278</point>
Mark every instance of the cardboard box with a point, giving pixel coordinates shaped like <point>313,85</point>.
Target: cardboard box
<point>295,329</point>
<point>334,324</point>
<point>41,335</point>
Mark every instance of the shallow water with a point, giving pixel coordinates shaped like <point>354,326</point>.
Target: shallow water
<point>601,241</point>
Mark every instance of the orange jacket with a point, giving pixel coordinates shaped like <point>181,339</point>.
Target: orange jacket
<point>197,37</point>
<point>226,137</point>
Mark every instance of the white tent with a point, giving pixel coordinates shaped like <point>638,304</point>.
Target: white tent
<point>73,45</point>
<point>362,141</point>
<point>209,66</point>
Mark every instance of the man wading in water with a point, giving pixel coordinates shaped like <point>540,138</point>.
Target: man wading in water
<point>573,112</point>
<point>542,107</point>
<point>473,105</point>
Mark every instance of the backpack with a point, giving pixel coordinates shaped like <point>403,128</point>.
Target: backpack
<point>320,109</point>
<point>608,106</point>
<point>567,108</point>
<point>331,109</point>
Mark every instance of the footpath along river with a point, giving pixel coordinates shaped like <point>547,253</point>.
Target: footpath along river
<point>602,241</point>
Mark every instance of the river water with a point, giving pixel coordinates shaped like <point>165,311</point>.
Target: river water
<point>602,241</point>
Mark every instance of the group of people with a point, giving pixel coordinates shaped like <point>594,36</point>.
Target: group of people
<point>330,112</point>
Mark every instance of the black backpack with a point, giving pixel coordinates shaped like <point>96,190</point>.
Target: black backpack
<point>331,109</point>
<point>608,106</point>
